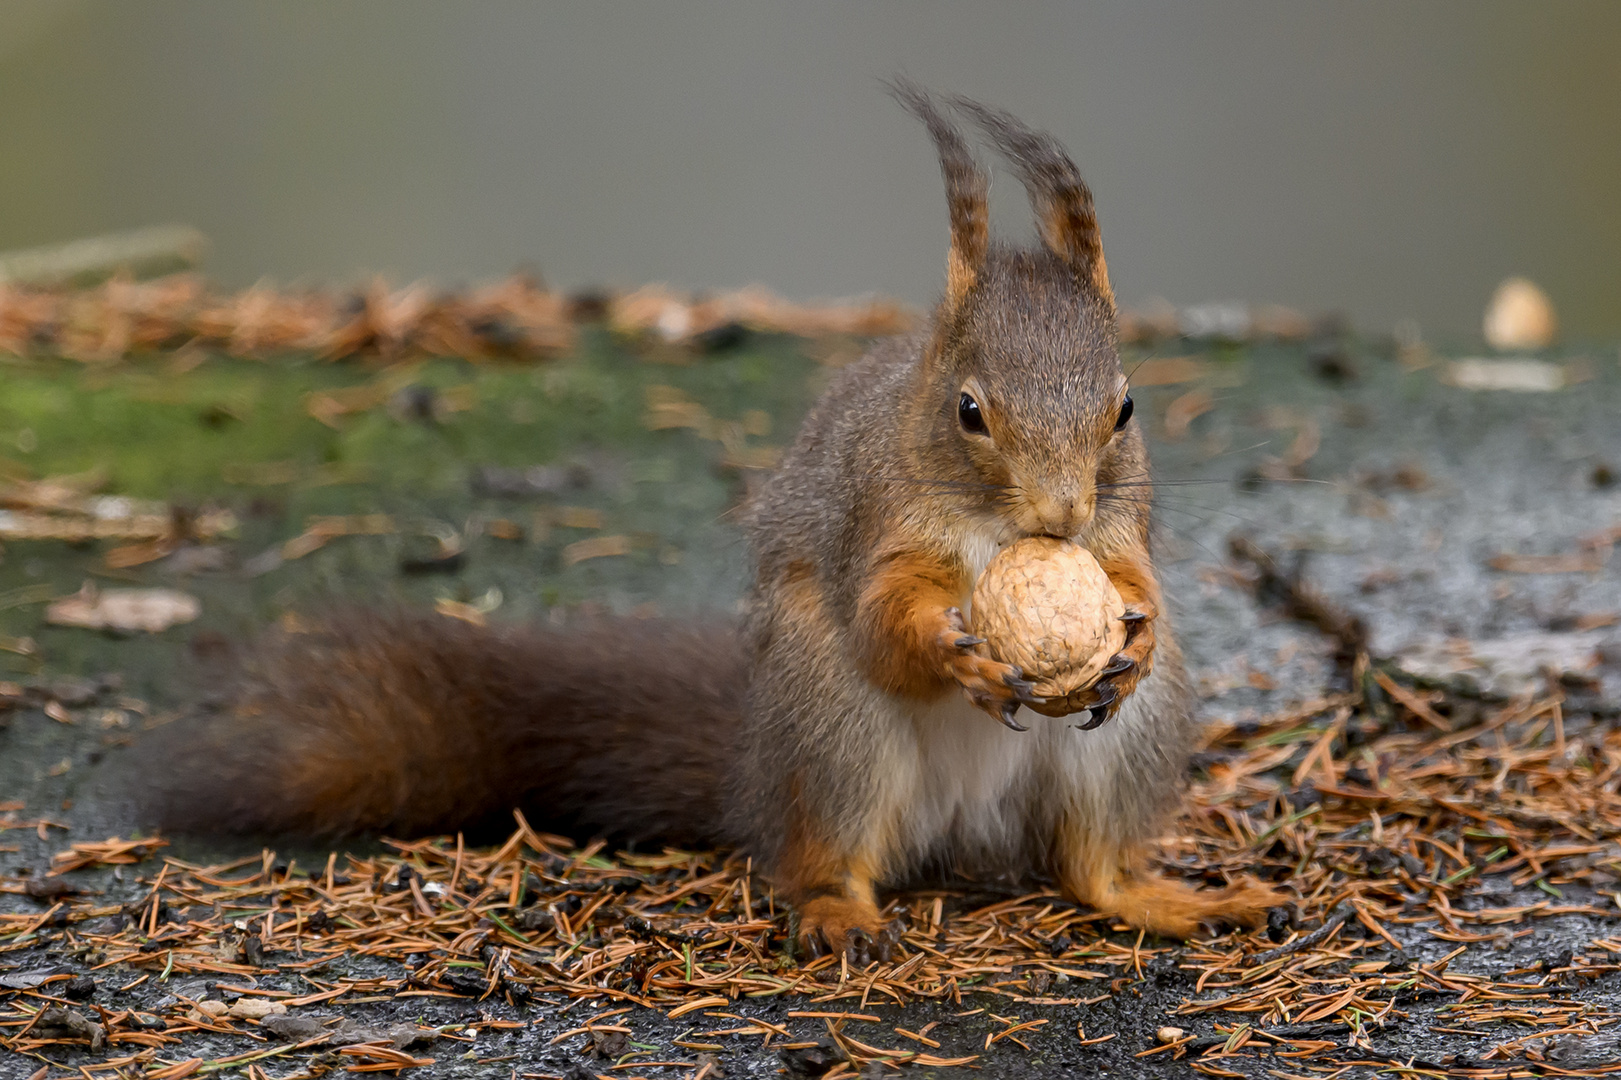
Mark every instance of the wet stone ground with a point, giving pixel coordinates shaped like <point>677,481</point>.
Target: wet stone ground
<point>1437,514</point>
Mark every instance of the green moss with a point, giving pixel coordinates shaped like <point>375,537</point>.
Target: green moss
<point>240,434</point>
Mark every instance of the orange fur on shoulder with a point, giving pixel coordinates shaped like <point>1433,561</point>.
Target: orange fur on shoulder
<point>901,617</point>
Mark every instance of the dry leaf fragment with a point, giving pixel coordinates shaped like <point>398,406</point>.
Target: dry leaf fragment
<point>292,1028</point>
<point>1584,563</point>
<point>255,1009</point>
<point>1169,370</point>
<point>474,612</point>
<point>151,610</point>
<point>26,980</point>
<point>319,530</point>
<point>331,406</point>
<point>579,517</point>
<point>146,551</point>
<point>455,609</point>
<point>596,548</point>
<point>60,1023</point>
<point>50,888</point>
<point>504,529</point>
<point>668,407</point>
<point>1181,413</point>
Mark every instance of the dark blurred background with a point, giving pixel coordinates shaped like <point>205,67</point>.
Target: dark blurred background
<point>1386,159</point>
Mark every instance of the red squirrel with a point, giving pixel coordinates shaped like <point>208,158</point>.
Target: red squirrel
<point>850,733</point>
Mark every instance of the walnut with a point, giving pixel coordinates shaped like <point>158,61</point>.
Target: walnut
<point>1046,606</point>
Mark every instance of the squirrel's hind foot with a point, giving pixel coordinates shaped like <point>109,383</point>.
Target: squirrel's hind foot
<point>1174,909</point>
<point>841,924</point>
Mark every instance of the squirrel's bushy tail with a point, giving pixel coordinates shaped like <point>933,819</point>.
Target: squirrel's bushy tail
<point>405,723</point>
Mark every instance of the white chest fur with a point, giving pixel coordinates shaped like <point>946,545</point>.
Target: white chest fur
<point>972,779</point>
<point>973,791</point>
<point>966,785</point>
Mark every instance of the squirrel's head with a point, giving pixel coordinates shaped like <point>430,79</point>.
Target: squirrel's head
<point>1023,392</point>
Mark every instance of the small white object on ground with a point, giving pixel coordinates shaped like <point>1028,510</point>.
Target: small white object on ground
<point>151,610</point>
<point>1520,316</point>
<point>1523,376</point>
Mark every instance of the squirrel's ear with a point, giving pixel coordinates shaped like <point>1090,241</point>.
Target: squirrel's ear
<point>1060,198</point>
<point>966,191</point>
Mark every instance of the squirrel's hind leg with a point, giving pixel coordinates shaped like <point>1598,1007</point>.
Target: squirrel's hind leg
<point>824,775</point>
<point>1124,885</point>
<point>833,897</point>
<point>1123,782</point>
<point>829,873</point>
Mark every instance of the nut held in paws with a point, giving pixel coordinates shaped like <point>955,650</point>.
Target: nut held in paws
<point>1047,606</point>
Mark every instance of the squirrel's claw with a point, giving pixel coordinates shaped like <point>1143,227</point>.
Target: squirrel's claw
<point>1014,680</point>
<point>997,688</point>
<point>1107,695</point>
<point>1135,622</point>
<point>1102,709</point>
<point>1118,678</point>
<point>1118,665</point>
<point>1005,711</point>
<point>862,948</point>
<point>1023,691</point>
<point>1002,709</point>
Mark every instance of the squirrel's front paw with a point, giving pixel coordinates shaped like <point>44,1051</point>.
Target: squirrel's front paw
<point>1125,670</point>
<point>991,685</point>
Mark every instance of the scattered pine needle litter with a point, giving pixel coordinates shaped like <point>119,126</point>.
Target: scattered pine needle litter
<point>67,508</point>
<point>514,319</point>
<point>1392,833</point>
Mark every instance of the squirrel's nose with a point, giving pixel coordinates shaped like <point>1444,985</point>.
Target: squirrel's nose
<point>1064,515</point>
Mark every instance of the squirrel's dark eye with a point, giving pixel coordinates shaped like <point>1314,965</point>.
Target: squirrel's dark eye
<point>1125,413</point>
<point>969,416</point>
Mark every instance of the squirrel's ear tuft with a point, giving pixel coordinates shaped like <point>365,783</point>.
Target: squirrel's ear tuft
<point>1060,198</point>
<point>966,190</point>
